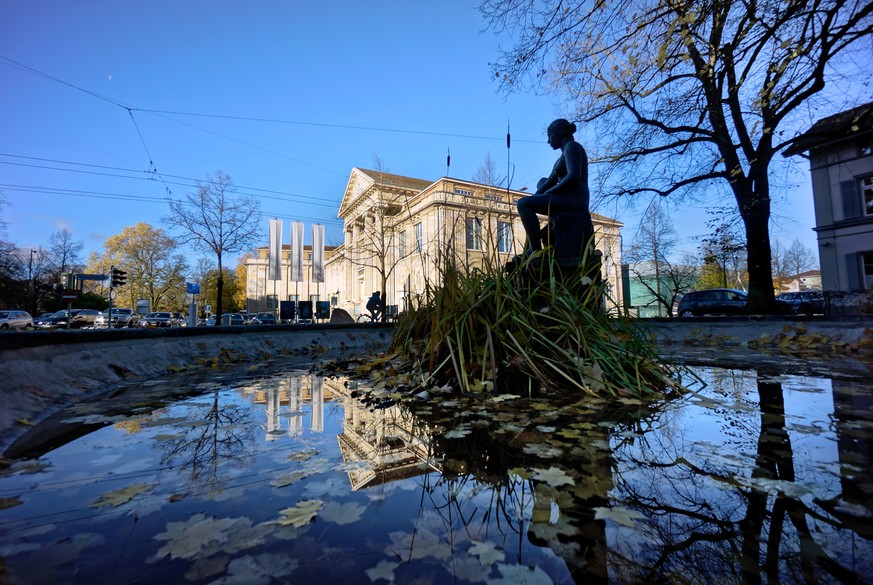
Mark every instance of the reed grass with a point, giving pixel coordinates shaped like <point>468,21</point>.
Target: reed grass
<point>540,326</point>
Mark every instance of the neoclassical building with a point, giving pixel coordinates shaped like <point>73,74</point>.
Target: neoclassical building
<point>398,232</point>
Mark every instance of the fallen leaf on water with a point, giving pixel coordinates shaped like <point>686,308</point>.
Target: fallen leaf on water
<point>301,514</point>
<point>384,570</point>
<point>343,514</point>
<point>521,575</point>
<point>487,552</point>
<point>289,478</point>
<point>10,502</point>
<point>552,476</point>
<point>121,496</point>
<point>504,397</point>
<point>456,433</point>
<point>24,421</point>
<point>621,516</point>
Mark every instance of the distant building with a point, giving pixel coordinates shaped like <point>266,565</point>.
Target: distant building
<point>405,228</point>
<point>840,153</point>
<point>645,282</point>
<point>809,280</point>
<point>409,226</point>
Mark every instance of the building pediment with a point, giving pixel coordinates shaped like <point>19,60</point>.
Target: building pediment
<point>359,183</point>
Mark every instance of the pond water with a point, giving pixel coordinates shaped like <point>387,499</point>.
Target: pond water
<point>300,479</point>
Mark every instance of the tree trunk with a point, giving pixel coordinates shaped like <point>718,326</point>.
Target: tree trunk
<point>753,200</point>
<point>219,287</point>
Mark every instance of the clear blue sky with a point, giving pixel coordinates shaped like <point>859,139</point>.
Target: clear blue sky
<point>111,91</point>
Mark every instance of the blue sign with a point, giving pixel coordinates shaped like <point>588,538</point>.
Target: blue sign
<point>193,288</point>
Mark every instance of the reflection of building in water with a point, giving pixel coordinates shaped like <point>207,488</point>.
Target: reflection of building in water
<point>285,399</point>
<point>853,411</point>
<point>392,443</point>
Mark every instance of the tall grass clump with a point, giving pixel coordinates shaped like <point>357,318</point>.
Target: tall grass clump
<point>540,326</point>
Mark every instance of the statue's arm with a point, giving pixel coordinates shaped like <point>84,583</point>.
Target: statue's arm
<point>576,161</point>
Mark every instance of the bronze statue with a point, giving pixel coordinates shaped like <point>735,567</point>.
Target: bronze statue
<point>562,196</point>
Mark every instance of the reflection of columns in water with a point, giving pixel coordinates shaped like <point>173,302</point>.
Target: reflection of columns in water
<point>274,423</point>
<point>316,422</point>
<point>295,424</point>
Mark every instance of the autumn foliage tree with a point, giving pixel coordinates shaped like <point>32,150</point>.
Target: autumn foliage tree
<point>685,95</point>
<point>155,270</point>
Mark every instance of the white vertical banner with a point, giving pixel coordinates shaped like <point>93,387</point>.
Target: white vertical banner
<point>297,251</point>
<point>275,256</point>
<point>317,252</point>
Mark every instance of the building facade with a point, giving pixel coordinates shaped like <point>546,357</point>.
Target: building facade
<point>399,232</point>
<point>264,294</point>
<point>840,153</point>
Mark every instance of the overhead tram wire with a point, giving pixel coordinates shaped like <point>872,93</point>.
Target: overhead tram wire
<point>327,125</point>
<point>139,198</point>
<point>23,67</point>
<point>130,109</point>
<point>262,149</point>
<point>192,183</point>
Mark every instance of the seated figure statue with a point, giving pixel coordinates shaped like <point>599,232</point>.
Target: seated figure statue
<point>563,196</point>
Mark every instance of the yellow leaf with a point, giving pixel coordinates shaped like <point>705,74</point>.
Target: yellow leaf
<point>24,421</point>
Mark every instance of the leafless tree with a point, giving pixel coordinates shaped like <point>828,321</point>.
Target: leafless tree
<point>63,252</point>
<point>780,271</point>
<point>685,95</point>
<point>214,219</point>
<point>486,174</point>
<point>649,259</point>
<point>798,259</point>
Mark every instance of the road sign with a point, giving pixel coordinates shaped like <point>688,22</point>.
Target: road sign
<point>69,295</point>
<point>193,288</point>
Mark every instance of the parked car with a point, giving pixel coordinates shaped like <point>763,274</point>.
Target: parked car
<point>263,319</point>
<point>805,302</point>
<point>120,318</point>
<point>237,319</point>
<point>84,318</point>
<point>54,320</point>
<point>12,319</point>
<point>713,301</point>
<point>79,318</point>
<point>158,319</point>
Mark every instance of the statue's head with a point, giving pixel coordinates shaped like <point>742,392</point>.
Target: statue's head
<point>562,127</point>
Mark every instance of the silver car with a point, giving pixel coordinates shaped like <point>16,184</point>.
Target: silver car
<point>158,319</point>
<point>120,318</point>
<point>10,319</point>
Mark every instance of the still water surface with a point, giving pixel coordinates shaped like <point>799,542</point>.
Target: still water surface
<point>296,479</point>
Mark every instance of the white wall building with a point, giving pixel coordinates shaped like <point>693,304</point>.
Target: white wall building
<point>840,153</point>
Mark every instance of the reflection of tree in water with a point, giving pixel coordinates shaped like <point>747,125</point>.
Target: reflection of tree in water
<point>509,487</point>
<point>721,520</point>
<point>221,433</point>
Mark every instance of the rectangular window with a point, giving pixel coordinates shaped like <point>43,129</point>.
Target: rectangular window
<point>494,197</point>
<point>504,237</point>
<point>474,233</point>
<point>464,192</point>
<point>867,267</point>
<point>857,197</point>
<point>867,194</point>
<point>418,238</point>
<point>272,302</point>
<point>401,244</point>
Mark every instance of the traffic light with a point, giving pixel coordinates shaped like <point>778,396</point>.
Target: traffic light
<point>119,277</point>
